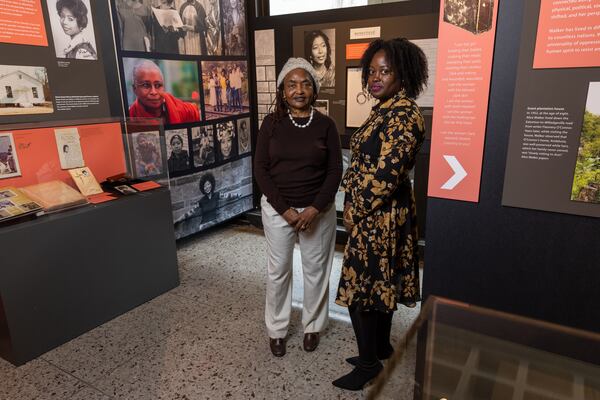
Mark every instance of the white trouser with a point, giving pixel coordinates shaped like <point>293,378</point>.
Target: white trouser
<point>317,246</point>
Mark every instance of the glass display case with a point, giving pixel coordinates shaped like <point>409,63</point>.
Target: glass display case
<point>50,167</point>
<point>459,351</point>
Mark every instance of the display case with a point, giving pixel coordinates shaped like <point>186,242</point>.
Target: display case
<point>87,232</point>
<point>48,168</point>
<point>459,351</point>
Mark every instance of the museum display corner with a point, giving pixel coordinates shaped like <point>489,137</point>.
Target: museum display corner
<point>87,234</point>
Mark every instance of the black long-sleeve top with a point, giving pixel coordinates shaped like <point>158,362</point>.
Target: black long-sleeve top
<point>298,167</point>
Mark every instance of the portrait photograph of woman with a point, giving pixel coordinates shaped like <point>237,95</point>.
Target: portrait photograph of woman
<point>203,145</point>
<point>319,50</point>
<point>73,29</point>
<point>177,150</point>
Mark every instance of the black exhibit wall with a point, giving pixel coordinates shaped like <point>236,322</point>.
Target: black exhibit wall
<point>283,26</point>
<point>533,263</point>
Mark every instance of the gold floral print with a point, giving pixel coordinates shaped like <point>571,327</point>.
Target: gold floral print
<point>380,267</point>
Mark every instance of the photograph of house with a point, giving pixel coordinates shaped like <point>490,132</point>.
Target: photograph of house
<point>24,90</point>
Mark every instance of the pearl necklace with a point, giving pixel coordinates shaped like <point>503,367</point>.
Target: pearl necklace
<point>297,125</point>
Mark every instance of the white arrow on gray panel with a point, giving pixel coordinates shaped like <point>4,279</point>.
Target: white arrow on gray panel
<point>459,173</point>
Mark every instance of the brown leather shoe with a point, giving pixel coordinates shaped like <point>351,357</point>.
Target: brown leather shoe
<point>277,347</point>
<point>311,341</point>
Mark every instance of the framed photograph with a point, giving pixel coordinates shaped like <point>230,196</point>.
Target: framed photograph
<point>358,101</point>
<point>586,179</point>
<point>244,136</point>
<point>203,146</point>
<point>322,106</point>
<point>209,197</point>
<point>319,50</point>
<point>9,161</point>
<point>72,25</point>
<point>234,26</point>
<point>178,150</point>
<point>147,158</point>
<point>226,143</point>
<point>225,86</point>
<point>24,90</point>
<point>163,85</point>
<point>175,27</point>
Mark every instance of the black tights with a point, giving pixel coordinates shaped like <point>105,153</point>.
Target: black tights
<point>372,330</point>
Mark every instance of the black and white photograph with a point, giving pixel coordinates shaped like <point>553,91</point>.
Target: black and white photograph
<point>212,196</point>
<point>31,206</point>
<point>167,89</point>
<point>225,88</point>
<point>147,154</point>
<point>24,90</point>
<point>319,50</point>
<point>203,146</point>
<point>73,29</point>
<point>234,27</point>
<point>9,162</point>
<point>187,27</point>
<point>474,16</point>
<point>125,189</point>
<point>244,137</point>
<point>226,143</point>
<point>359,101</point>
<point>177,150</point>
<point>5,194</point>
<point>322,106</point>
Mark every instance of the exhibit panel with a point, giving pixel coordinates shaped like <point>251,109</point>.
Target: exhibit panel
<point>466,47</point>
<point>521,260</point>
<point>334,49</point>
<point>52,70</point>
<point>553,161</point>
<point>186,62</point>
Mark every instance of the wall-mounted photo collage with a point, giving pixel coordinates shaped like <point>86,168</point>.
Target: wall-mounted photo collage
<point>185,62</point>
<point>202,147</point>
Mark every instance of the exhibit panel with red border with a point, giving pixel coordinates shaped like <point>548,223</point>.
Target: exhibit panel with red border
<point>465,55</point>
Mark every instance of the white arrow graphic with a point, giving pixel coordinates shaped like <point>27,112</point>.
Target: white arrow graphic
<point>459,173</point>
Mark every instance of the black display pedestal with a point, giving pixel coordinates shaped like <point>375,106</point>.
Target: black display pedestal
<point>62,275</point>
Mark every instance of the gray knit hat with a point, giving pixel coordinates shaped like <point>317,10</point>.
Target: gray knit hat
<point>299,62</point>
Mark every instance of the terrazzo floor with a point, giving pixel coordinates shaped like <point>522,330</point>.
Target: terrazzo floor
<point>203,340</point>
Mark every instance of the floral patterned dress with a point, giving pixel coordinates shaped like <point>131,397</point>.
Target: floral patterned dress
<point>380,267</point>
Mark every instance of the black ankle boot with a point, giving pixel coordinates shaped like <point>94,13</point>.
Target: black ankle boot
<point>381,355</point>
<point>359,377</point>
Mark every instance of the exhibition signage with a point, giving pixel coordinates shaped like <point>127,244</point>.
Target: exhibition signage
<point>568,34</point>
<point>22,22</point>
<point>355,51</point>
<point>464,65</point>
<point>553,159</point>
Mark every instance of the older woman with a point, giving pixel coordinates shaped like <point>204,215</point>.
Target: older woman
<point>380,267</point>
<point>318,51</point>
<point>73,16</point>
<point>298,167</point>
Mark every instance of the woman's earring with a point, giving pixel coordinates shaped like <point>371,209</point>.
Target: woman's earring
<point>363,96</point>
